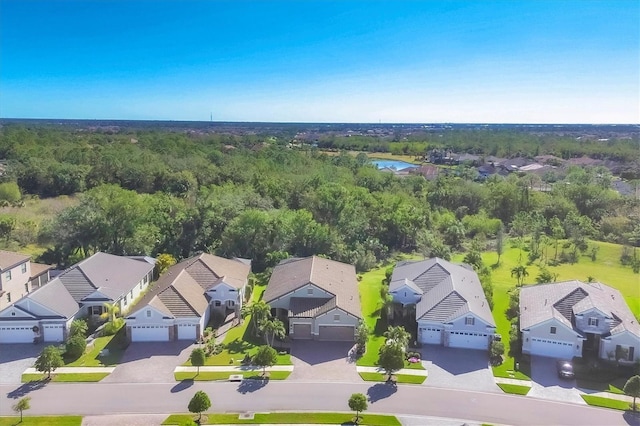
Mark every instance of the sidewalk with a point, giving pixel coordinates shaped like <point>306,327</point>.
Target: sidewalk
<point>73,370</point>
<point>607,395</point>
<point>517,382</point>
<point>231,368</point>
<point>405,371</point>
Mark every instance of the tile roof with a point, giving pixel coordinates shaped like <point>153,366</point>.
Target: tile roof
<point>38,269</point>
<point>9,259</point>
<point>310,307</point>
<point>334,277</point>
<point>449,290</point>
<point>563,300</point>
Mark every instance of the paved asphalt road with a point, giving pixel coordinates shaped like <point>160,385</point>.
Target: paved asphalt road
<point>112,398</point>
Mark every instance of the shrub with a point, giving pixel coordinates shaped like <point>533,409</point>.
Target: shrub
<point>10,192</point>
<point>78,327</point>
<point>112,327</point>
<point>75,347</point>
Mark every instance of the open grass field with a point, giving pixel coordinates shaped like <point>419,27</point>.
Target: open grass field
<point>285,418</point>
<point>41,421</point>
<point>599,401</point>
<point>224,375</point>
<point>514,389</point>
<point>65,377</point>
<point>400,378</point>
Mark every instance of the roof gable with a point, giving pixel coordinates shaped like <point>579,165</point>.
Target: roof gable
<point>9,260</point>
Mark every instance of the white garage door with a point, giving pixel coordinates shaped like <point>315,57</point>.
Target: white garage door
<point>53,332</point>
<point>551,348</point>
<point>430,335</point>
<point>468,340</point>
<point>186,332</point>
<point>149,333</point>
<point>16,334</point>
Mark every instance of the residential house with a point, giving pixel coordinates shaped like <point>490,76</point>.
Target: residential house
<point>79,292</point>
<point>19,276</point>
<point>316,298</point>
<point>180,304</point>
<point>576,319</point>
<point>428,171</point>
<point>450,305</point>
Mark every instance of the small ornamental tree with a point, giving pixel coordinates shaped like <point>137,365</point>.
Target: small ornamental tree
<point>198,358</point>
<point>391,358</point>
<point>632,388</point>
<point>78,328</point>
<point>496,351</point>
<point>358,403</point>
<point>199,403</point>
<point>265,357</point>
<point>75,347</point>
<point>48,360</point>
<point>362,335</point>
<point>22,405</point>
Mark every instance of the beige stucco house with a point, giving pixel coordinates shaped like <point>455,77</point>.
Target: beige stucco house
<point>19,276</point>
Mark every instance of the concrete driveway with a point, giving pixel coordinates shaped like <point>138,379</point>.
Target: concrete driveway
<point>546,384</point>
<point>322,361</point>
<point>458,369</point>
<point>151,362</point>
<point>15,358</point>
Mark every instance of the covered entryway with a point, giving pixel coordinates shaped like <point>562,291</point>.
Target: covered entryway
<point>53,332</point>
<point>16,334</point>
<point>551,348</point>
<point>468,340</point>
<point>341,333</point>
<point>301,331</point>
<point>149,333</point>
<point>430,335</point>
<point>187,331</point>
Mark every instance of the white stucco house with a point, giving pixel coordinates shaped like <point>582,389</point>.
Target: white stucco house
<point>316,298</point>
<point>79,292</point>
<point>181,302</point>
<point>450,306</point>
<point>19,276</point>
<point>574,319</point>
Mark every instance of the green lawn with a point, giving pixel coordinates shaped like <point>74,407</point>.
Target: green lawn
<point>224,375</point>
<point>41,421</point>
<point>514,389</point>
<point>116,345</point>
<point>286,418</point>
<point>400,378</point>
<point>65,377</point>
<point>599,401</point>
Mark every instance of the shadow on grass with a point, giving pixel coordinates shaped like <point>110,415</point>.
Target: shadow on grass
<point>381,391</point>
<point>252,384</point>
<point>183,385</point>
<point>26,388</point>
<point>238,346</point>
<point>381,327</point>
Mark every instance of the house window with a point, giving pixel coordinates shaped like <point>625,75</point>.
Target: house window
<point>125,300</point>
<point>95,310</point>
<point>26,287</point>
<point>23,269</point>
<point>593,322</point>
<point>553,330</point>
<point>8,297</point>
<point>624,353</point>
<point>469,321</point>
<point>310,290</point>
<point>336,317</point>
<point>217,303</point>
<point>7,275</point>
<point>148,313</point>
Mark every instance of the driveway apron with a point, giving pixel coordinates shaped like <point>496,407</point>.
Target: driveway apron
<point>15,358</point>
<point>151,362</point>
<point>546,384</point>
<point>322,361</point>
<point>458,369</point>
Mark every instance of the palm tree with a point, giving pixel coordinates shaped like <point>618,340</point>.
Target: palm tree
<point>272,328</point>
<point>111,310</point>
<point>519,272</point>
<point>258,311</point>
<point>398,335</point>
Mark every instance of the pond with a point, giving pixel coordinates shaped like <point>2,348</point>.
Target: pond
<point>392,164</point>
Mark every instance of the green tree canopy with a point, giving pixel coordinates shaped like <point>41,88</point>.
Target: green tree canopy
<point>265,357</point>
<point>198,358</point>
<point>199,404</point>
<point>358,403</point>
<point>48,360</point>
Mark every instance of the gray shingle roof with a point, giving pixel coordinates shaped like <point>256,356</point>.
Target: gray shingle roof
<point>449,290</point>
<point>334,277</point>
<point>9,259</point>
<point>563,300</point>
<point>54,297</point>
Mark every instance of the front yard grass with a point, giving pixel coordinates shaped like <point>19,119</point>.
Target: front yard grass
<point>514,389</point>
<point>65,377</point>
<point>285,418</point>
<point>41,421</point>
<point>400,378</point>
<point>598,401</point>
<point>224,375</point>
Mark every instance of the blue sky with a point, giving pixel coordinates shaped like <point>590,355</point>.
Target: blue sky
<point>322,61</point>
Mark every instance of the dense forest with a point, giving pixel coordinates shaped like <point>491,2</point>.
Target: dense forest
<point>151,192</point>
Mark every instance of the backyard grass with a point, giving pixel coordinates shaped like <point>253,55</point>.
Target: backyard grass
<point>239,341</point>
<point>599,401</point>
<point>514,389</point>
<point>65,377</point>
<point>400,378</point>
<point>41,421</point>
<point>224,375</point>
<point>285,418</point>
